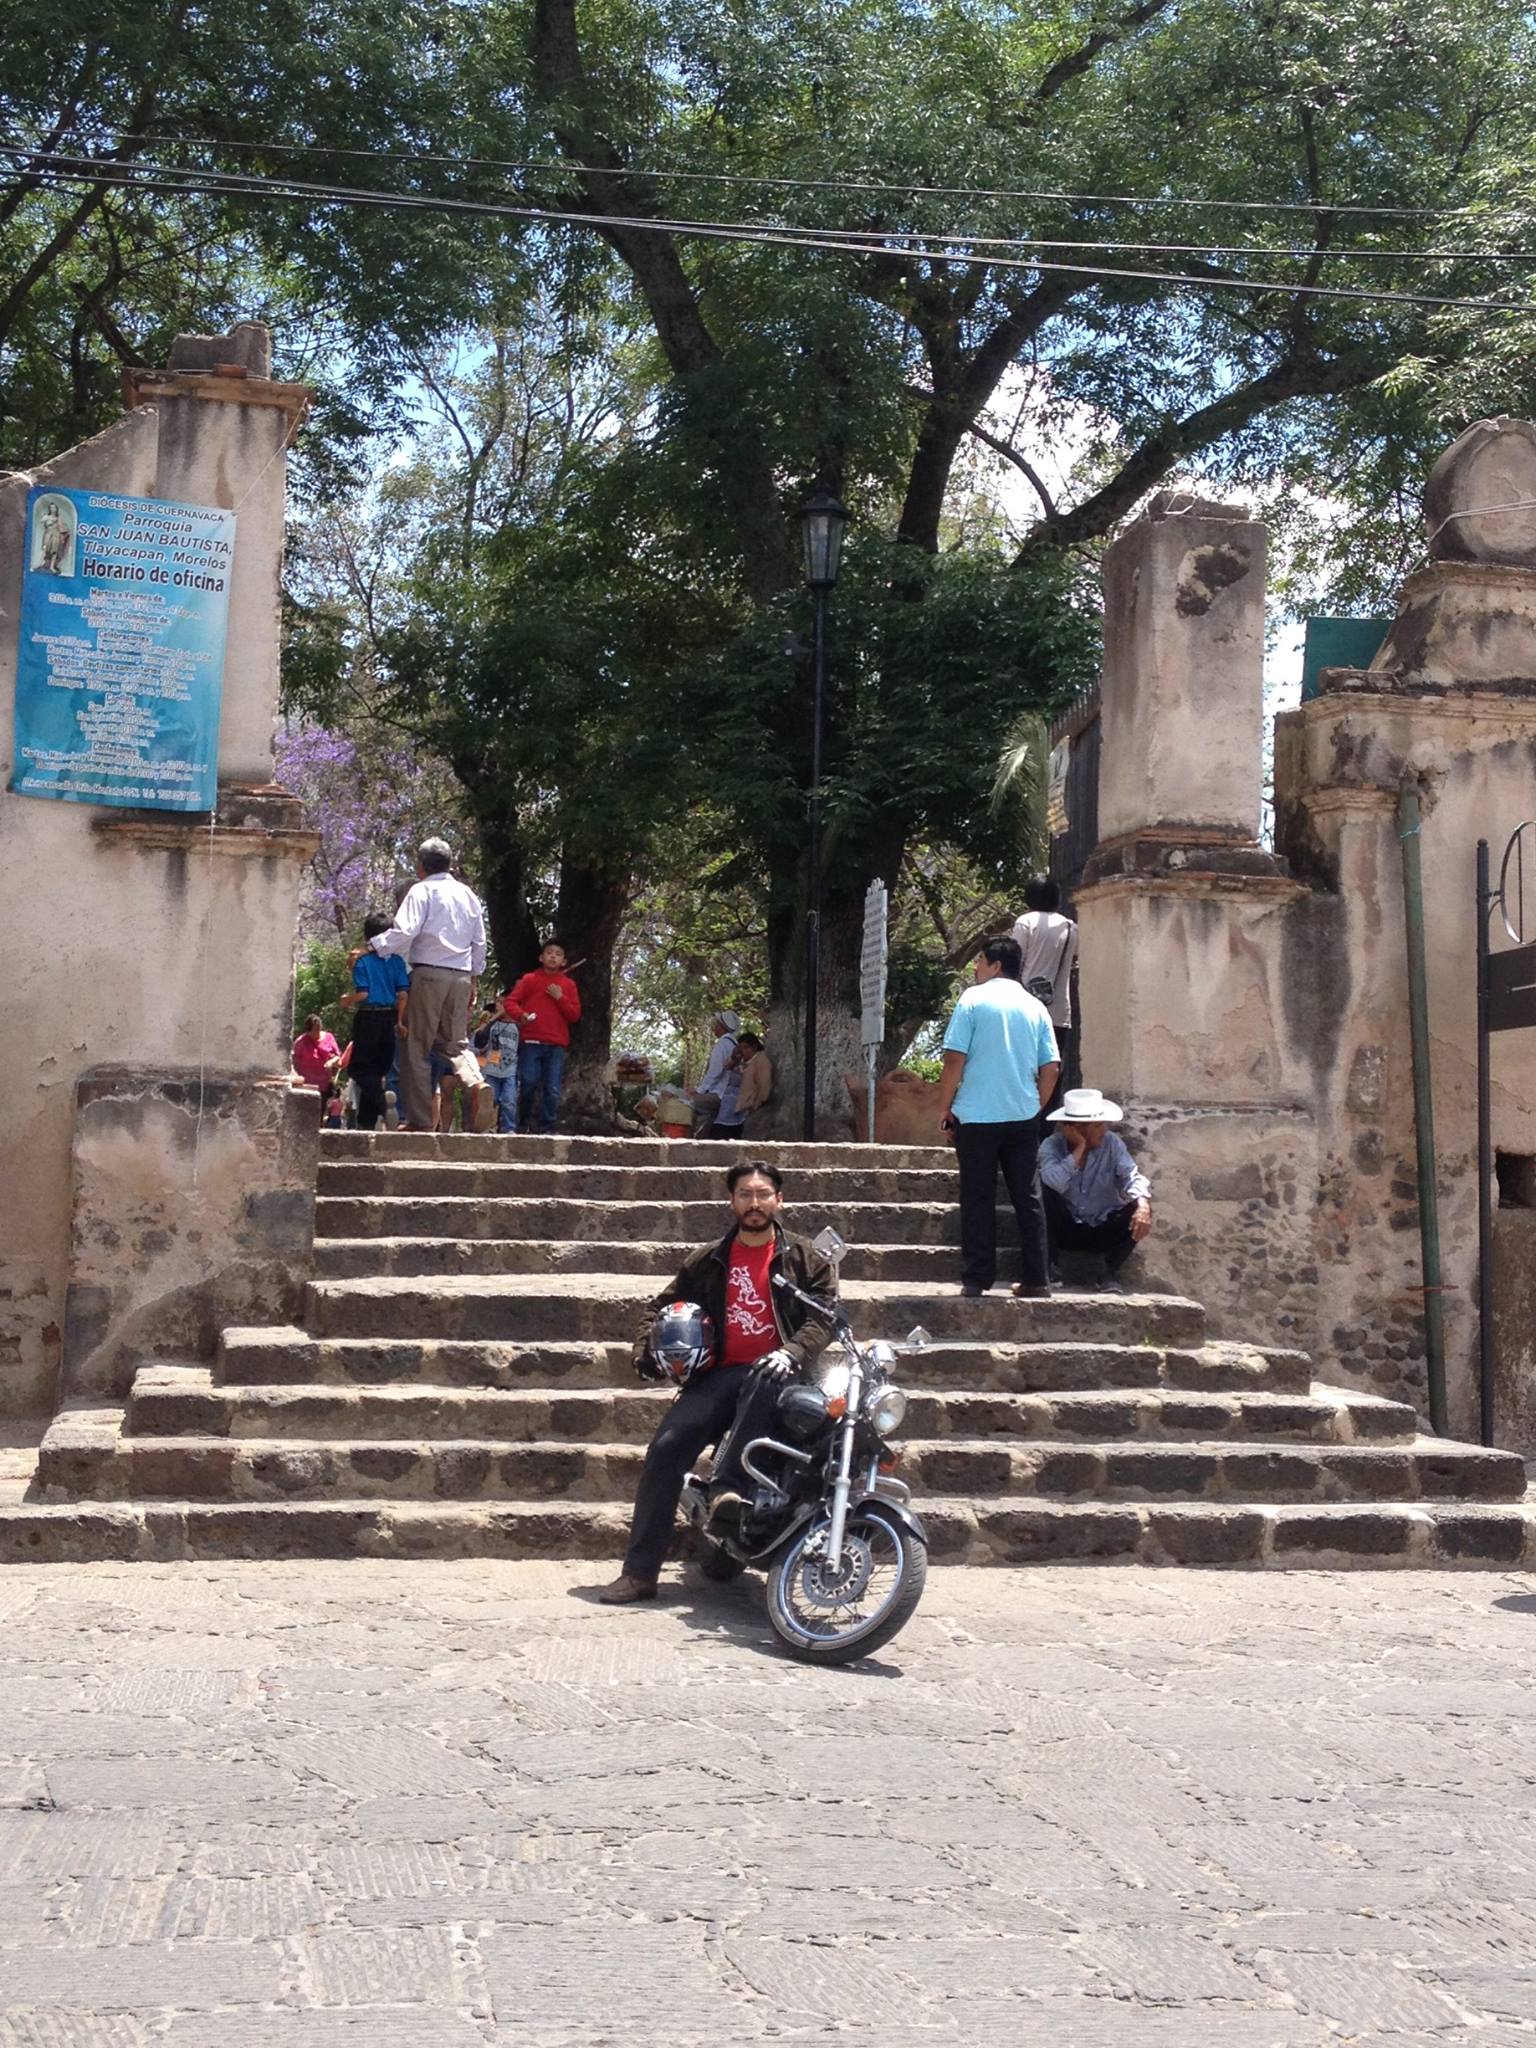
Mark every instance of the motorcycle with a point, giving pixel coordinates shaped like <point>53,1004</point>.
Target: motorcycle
<point>846,1558</point>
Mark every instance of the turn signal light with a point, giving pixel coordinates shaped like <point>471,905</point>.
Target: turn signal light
<point>890,1461</point>
<point>837,1407</point>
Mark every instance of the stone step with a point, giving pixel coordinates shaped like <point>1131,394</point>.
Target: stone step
<point>185,1401</point>
<point>1389,1536</point>
<point>85,1453</point>
<point>495,1176</point>
<point>607,1306</point>
<point>555,1218</point>
<point>286,1355</point>
<point>715,1154</point>
<point>357,1258</point>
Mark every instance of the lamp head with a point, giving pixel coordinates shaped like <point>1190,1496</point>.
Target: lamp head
<point>823,519</point>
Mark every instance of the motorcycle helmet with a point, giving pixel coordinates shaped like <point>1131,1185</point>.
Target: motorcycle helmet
<point>682,1340</point>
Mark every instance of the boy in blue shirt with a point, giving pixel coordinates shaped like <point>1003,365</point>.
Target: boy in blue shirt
<point>1000,1064</point>
<point>496,1048</point>
<point>379,986</point>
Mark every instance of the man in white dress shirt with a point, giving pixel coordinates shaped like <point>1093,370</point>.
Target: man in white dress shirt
<point>440,928</point>
<point>714,1100</point>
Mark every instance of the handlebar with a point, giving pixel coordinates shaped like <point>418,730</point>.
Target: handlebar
<point>833,1315</point>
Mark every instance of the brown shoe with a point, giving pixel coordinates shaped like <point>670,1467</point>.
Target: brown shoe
<point>625,1591</point>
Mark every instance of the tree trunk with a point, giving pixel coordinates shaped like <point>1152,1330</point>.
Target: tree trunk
<point>593,903</point>
<point>503,885</point>
<point>839,1055</point>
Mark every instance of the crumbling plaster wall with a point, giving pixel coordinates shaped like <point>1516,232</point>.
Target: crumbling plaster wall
<point>1198,1013</point>
<point>1340,761</point>
<point>1252,1009</point>
<point>142,940</point>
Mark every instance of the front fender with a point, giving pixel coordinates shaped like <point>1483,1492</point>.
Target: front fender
<point>896,1510</point>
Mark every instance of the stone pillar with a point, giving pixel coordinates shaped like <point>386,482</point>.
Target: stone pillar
<point>1201,1012</point>
<point>1449,702</point>
<point>1183,687</point>
<point>155,944</point>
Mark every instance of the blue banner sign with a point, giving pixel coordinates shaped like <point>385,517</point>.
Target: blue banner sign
<point>124,612</point>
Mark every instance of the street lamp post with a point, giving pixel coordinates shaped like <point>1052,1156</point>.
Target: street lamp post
<point>823,520</point>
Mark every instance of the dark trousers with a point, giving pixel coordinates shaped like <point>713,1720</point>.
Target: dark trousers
<point>1066,1045</point>
<point>373,1054</point>
<point>1112,1237</point>
<point>982,1152</point>
<point>700,1416</point>
<point>541,1076</point>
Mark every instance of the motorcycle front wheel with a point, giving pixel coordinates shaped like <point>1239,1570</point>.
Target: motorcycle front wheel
<point>831,1619</point>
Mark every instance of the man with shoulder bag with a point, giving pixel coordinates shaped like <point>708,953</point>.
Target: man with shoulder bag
<point>1047,943</point>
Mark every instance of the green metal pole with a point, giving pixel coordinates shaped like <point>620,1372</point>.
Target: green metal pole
<point>1410,835</point>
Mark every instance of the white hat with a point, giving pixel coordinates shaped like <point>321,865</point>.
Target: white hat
<point>729,1019</point>
<point>1086,1106</point>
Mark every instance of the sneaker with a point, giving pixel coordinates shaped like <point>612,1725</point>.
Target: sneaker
<point>969,1293</point>
<point>1112,1284</point>
<point>1023,1293</point>
<point>625,1591</point>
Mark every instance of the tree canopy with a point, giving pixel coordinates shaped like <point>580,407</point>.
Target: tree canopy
<point>992,274</point>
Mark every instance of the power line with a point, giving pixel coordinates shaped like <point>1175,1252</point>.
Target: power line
<point>1346,253</point>
<point>911,190</point>
<point>138,176</point>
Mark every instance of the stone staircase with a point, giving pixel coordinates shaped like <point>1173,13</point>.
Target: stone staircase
<point>461,1387</point>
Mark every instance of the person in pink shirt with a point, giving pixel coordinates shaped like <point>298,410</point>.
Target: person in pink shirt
<point>313,1052</point>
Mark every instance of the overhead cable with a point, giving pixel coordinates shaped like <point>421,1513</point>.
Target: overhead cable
<point>136,175</point>
<point>911,190</point>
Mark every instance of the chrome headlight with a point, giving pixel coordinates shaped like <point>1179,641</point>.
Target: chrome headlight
<point>833,1380</point>
<point>886,1410</point>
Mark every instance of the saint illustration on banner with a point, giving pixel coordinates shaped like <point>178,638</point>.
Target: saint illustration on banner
<point>120,666</point>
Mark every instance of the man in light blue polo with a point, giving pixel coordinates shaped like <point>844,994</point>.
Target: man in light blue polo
<point>1000,1064</point>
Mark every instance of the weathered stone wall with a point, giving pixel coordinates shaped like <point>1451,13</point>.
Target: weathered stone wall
<point>1202,1011</point>
<point>194,1206</point>
<point>144,939</point>
<point>1340,762</point>
<point>1253,1012</point>
<point>1514,1288</point>
<point>1233,1192</point>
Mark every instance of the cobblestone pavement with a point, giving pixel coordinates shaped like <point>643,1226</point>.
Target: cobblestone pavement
<point>446,1805</point>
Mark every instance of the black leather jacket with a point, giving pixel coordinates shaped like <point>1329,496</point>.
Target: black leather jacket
<point>702,1279</point>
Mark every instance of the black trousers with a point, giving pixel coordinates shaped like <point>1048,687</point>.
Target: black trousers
<point>373,1054</point>
<point>1112,1237</point>
<point>983,1151</point>
<point>700,1416</point>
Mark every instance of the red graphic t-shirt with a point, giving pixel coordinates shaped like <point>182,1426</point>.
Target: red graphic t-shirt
<point>750,1331</point>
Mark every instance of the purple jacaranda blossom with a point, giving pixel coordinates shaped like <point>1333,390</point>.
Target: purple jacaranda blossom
<point>372,798</point>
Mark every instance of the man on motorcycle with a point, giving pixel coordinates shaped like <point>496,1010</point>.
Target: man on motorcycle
<point>754,1324</point>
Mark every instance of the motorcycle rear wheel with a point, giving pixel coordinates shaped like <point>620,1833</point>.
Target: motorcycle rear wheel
<point>808,1615</point>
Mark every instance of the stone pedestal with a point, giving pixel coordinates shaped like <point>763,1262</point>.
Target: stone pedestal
<point>1183,681</point>
<point>1194,1012</point>
<point>194,1206</point>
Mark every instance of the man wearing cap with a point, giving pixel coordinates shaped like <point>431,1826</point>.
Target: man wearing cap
<point>1096,1197</point>
<point>440,928</point>
<point>714,1100</point>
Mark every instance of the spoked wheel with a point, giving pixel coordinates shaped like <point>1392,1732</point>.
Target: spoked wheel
<point>830,1618</point>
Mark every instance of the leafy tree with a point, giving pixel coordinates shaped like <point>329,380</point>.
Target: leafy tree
<point>1213,348</point>
<point>320,980</point>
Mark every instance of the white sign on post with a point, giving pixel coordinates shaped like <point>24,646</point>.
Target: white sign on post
<point>873,958</point>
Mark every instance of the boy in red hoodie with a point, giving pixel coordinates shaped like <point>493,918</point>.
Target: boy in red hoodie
<point>545,1005</point>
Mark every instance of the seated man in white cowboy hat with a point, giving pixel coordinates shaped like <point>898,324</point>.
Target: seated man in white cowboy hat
<point>1096,1197</point>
